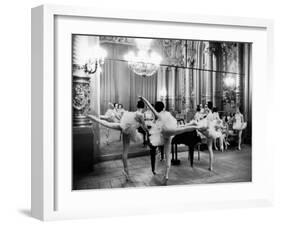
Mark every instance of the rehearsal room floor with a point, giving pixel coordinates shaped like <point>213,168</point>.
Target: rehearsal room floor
<point>229,166</point>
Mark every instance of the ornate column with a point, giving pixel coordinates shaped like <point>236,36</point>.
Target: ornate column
<point>161,84</point>
<point>87,57</point>
<point>212,51</point>
<point>208,74</point>
<point>219,65</point>
<point>239,76</point>
<point>80,97</point>
<point>214,68</point>
<point>171,78</point>
<point>192,81</point>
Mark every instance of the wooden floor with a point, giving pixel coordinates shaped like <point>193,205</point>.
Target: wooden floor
<point>229,166</point>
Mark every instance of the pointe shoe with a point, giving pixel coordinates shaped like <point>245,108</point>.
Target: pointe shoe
<point>127,176</point>
<point>165,181</point>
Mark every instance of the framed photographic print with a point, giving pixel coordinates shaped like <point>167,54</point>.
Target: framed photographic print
<point>137,113</point>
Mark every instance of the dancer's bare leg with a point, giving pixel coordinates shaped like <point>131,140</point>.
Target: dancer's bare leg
<point>239,139</point>
<point>104,117</point>
<point>126,144</point>
<point>107,136</point>
<point>179,130</point>
<point>221,141</point>
<point>167,150</point>
<point>215,144</point>
<point>110,125</point>
<point>211,156</point>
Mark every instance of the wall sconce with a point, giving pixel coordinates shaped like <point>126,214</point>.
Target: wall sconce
<point>93,62</point>
<point>163,94</point>
<point>229,81</point>
<point>90,59</point>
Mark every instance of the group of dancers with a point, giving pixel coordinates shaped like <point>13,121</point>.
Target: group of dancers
<point>161,127</point>
<point>224,125</point>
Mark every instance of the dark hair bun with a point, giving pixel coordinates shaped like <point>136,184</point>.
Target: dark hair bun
<point>159,106</point>
<point>140,104</point>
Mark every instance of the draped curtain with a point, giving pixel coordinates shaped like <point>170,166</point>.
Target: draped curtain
<point>179,88</point>
<point>108,87</point>
<point>118,84</point>
<point>142,86</point>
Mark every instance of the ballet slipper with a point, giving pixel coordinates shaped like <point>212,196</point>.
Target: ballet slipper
<point>127,176</point>
<point>165,181</point>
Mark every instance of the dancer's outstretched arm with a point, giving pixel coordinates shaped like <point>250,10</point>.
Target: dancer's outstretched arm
<point>110,125</point>
<point>150,106</point>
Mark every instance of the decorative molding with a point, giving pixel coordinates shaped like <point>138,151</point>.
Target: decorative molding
<point>229,49</point>
<point>81,100</point>
<point>191,53</point>
<point>117,40</point>
<point>173,51</point>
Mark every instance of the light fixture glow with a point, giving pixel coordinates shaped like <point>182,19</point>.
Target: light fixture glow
<point>145,62</point>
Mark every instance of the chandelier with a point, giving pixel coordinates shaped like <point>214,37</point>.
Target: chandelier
<point>144,62</point>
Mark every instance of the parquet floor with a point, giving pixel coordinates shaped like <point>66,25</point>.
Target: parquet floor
<point>229,166</point>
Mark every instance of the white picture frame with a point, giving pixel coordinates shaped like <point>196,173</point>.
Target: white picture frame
<point>52,197</point>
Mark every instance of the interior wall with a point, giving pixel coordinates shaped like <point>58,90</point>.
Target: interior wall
<point>192,73</point>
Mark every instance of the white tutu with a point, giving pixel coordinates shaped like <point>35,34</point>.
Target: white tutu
<point>167,120</point>
<point>239,126</point>
<point>129,123</point>
<point>211,131</point>
<point>110,114</point>
<point>156,138</point>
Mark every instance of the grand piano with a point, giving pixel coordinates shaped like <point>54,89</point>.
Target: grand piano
<point>189,139</point>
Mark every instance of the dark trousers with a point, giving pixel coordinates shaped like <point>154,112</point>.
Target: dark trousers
<point>143,132</point>
<point>153,155</point>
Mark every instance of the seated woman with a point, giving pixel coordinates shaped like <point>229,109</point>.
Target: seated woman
<point>200,113</point>
<point>166,127</point>
<point>128,125</point>
<point>110,116</point>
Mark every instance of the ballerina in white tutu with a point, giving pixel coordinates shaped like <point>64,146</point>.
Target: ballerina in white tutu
<point>239,125</point>
<point>164,130</point>
<point>111,114</point>
<point>211,128</point>
<point>128,125</point>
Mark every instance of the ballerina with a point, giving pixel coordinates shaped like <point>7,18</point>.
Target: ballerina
<point>239,125</point>
<point>164,130</point>
<point>128,125</point>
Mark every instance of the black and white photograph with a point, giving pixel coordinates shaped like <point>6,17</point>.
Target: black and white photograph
<point>160,112</point>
